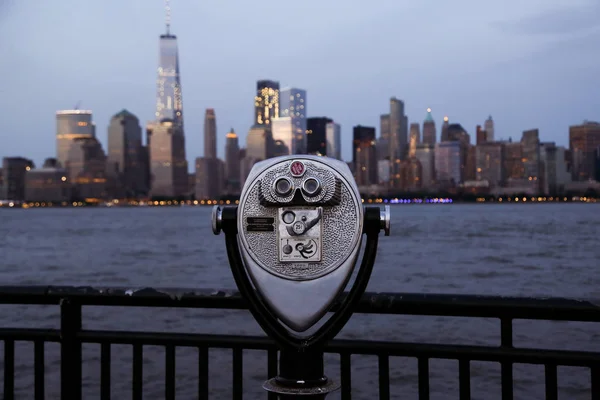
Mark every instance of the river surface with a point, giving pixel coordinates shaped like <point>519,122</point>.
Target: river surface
<point>523,250</point>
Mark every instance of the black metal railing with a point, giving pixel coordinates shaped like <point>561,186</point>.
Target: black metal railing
<point>71,336</point>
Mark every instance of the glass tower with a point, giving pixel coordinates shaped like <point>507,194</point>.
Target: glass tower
<point>292,104</point>
<point>168,97</point>
<point>71,125</point>
<point>266,102</point>
<point>168,165</point>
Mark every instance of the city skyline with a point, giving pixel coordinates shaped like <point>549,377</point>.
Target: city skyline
<point>528,106</point>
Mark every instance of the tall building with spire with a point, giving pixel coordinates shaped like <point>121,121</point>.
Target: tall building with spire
<point>429,133</point>
<point>168,164</point>
<point>168,94</point>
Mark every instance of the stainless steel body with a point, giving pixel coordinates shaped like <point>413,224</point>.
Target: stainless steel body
<point>300,230</point>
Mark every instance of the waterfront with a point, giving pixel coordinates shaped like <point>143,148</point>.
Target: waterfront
<point>529,250</point>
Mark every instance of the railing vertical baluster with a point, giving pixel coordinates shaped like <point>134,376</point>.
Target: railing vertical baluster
<point>238,370</point>
<point>138,364</point>
<point>170,372</point>
<point>506,336</point>
<point>105,371</point>
<point>9,369</point>
<point>39,370</point>
<point>203,373</point>
<point>551,382</point>
<point>346,375</point>
<point>423,366</point>
<point>464,379</point>
<point>272,369</point>
<point>70,350</point>
<point>384,377</point>
<point>595,372</point>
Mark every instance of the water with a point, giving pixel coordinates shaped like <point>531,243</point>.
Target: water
<point>529,250</point>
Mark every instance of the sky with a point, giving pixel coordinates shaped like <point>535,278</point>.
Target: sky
<point>529,64</point>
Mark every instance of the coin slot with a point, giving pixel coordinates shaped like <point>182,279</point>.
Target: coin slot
<point>288,217</point>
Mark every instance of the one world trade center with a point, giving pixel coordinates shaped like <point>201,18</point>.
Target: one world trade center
<point>169,175</point>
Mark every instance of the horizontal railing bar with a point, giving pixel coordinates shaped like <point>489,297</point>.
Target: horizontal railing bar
<point>466,352</point>
<point>339,346</point>
<point>179,339</point>
<point>537,308</point>
<point>30,334</point>
<point>363,347</point>
<point>455,352</point>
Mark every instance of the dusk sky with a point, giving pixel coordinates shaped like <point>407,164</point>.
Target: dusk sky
<point>530,64</point>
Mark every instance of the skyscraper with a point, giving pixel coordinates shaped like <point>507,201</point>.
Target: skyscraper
<point>168,97</point>
<point>481,135</point>
<point>584,140</point>
<point>415,138</point>
<point>266,102</point>
<point>488,163</point>
<point>283,129</point>
<point>384,127</point>
<point>448,163</point>
<point>292,104</point>
<point>87,168</point>
<point>334,140</point>
<point>398,143</point>
<point>14,170</point>
<point>232,162</point>
<point>444,135</point>
<point>488,126</point>
<point>456,133</point>
<point>429,133</point>
<point>364,155</point>
<point>512,160</point>
<point>554,168</point>
<point>383,142</point>
<point>168,164</point>
<point>210,134</point>
<point>531,154</point>
<point>258,143</point>
<point>398,130</point>
<point>72,125</point>
<point>209,176</point>
<point>316,135</point>
<point>124,166</point>
<point>425,154</point>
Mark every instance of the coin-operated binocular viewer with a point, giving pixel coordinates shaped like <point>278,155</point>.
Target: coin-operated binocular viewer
<point>293,242</point>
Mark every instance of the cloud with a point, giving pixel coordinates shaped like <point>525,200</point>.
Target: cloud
<point>558,21</point>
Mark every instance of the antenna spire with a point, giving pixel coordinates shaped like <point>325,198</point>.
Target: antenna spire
<point>168,16</point>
